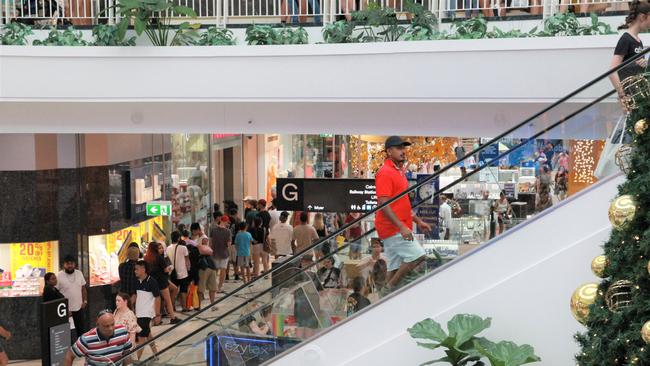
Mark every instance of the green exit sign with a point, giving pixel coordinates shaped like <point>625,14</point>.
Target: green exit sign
<point>159,208</point>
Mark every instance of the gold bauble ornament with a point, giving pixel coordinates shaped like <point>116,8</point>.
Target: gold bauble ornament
<point>582,297</point>
<point>640,126</point>
<point>622,158</point>
<point>636,89</point>
<point>619,295</point>
<point>598,266</point>
<point>622,211</point>
<point>645,332</point>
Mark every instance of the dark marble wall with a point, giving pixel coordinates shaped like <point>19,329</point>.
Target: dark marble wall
<point>21,316</point>
<point>67,205</point>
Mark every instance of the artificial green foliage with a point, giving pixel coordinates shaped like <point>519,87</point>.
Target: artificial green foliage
<point>68,37</point>
<point>267,35</point>
<point>472,28</point>
<point>186,35</point>
<point>15,34</point>
<point>614,338</point>
<point>378,24</point>
<point>506,353</point>
<point>153,17</point>
<point>462,347</point>
<point>289,35</point>
<point>514,33</point>
<point>260,35</point>
<point>216,37</point>
<point>424,24</point>
<point>567,24</point>
<point>340,32</point>
<point>107,35</point>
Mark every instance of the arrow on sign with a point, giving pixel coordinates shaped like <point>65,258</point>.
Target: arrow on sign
<point>154,209</point>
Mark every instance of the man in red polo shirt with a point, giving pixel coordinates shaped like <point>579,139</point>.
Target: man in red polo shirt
<point>395,222</point>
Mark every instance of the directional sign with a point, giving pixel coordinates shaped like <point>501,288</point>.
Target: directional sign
<point>326,195</point>
<point>159,208</point>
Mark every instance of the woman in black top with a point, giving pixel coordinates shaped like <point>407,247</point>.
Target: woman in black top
<point>258,232</point>
<point>629,45</point>
<point>50,292</point>
<point>159,270</point>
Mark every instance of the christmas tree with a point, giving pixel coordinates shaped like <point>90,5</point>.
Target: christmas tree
<point>616,312</point>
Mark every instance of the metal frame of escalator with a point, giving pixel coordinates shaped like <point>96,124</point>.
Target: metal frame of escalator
<point>379,207</point>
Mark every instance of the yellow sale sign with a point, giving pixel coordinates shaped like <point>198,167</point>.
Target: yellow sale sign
<point>36,255</point>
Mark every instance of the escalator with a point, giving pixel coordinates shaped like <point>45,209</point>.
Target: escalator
<point>258,322</point>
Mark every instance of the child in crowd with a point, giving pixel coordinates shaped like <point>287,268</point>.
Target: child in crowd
<point>357,300</point>
<point>243,242</point>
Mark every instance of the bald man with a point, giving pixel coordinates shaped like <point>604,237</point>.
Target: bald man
<point>104,345</point>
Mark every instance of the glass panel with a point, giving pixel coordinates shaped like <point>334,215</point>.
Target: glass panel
<point>525,171</point>
<point>190,189</point>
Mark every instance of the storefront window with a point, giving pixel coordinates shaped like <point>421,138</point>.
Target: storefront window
<point>190,194</point>
<point>107,251</point>
<point>23,266</point>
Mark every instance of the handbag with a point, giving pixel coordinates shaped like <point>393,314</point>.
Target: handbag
<point>266,244</point>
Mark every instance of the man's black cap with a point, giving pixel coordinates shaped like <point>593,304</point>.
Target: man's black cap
<point>395,141</point>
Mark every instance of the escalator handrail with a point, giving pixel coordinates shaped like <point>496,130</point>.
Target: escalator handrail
<point>437,193</point>
<point>399,196</point>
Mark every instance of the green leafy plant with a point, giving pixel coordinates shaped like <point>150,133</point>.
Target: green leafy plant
<point>341,31</point>
<point>187,35</point>
<point>260,35</point>
<point>376,17</point>
<point>424,24</point>
<point>151,17</point>
<point>288,35</point>
<point>216,37</point>
<point>561,24</point>
<point>514,33</point>
<point>68,37</point>
<point>107,35</point>
<point>596,27</point>
<point>506,353</point>
<point>462,347</point>
<point>473,28</point>
<point>15,34</point>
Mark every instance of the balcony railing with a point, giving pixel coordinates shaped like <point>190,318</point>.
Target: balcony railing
<point>225,12</point>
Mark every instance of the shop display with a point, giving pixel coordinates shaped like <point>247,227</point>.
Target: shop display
<point>106,252</point>
<point>190,191</point>
<point>23,266</point>
<point>527,180</point>
<point>447,249</point>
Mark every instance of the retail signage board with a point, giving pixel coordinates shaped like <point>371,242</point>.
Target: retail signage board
<point>55,332</point>
<point>159,208</point>
<point>326,195</point>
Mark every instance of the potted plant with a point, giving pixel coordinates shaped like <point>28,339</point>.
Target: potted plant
<point>462,346</point>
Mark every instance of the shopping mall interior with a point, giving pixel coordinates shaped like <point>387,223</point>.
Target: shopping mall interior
<point>324,183</point>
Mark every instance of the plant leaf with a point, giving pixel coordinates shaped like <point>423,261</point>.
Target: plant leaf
<point>506,353</point>
<point>428,329</point>
<point>139,26</point>
<point>462,327</point>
